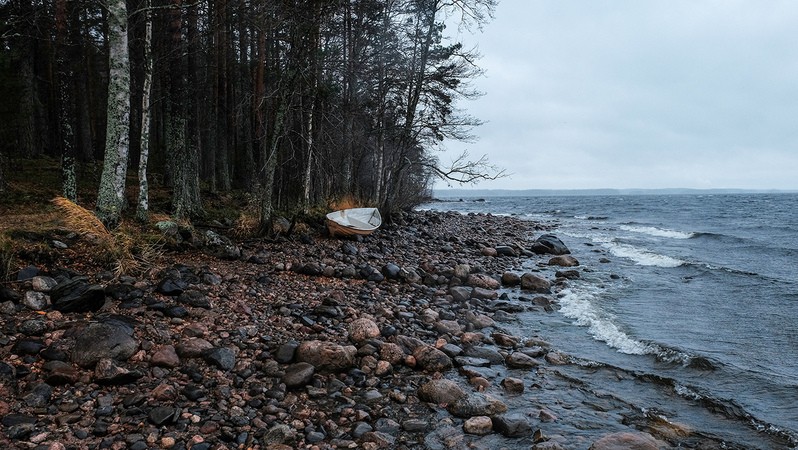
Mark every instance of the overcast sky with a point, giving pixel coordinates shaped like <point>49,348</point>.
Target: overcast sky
<point>638,94</point>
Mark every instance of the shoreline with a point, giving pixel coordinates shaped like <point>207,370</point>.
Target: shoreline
<point>399,340</point>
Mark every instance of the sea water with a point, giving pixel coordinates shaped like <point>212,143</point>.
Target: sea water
<point>699,292</point>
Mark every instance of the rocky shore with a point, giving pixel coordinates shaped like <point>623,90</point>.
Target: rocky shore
<point>399,340</point>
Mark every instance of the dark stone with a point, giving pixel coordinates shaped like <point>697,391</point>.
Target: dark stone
<point>163,414</point>
<point>109,373</point>
<point>176,311</point>
<point>222,357</point>
<point>505,250</point>
<point>9,420</point>
<point>348,248</point>
<point>195,298</point>
<point>9,295</point>
<point>27,347</point>
<point>27,273</point>
<point>77,295</point>
<point>311,269</point>
<point>171,286</point>
<point>39,396</point>
<point>512,425</point>
<point>19,432</point>
<point>484,353</point>
<point>569,274</point>
<point>391,271</point>
<point>33,327</point>
<point>285,353</point>
<point>193,392</point>
<point>477,404</point>
<point>549,243</point>
<point>298,375</point>
<point>110,339</point>
<point>371,274</point>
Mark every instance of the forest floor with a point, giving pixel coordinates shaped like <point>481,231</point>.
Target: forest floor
<point>395,340</point>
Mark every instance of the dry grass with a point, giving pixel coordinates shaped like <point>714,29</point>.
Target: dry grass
<point>6,258</point>
<point>245,226</point>
<point>124,249</point>
<point>346,202</point>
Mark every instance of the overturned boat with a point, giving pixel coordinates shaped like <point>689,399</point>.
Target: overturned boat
<point>353,221</point>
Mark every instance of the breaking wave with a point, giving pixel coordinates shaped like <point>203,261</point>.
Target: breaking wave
<point>658,232</point>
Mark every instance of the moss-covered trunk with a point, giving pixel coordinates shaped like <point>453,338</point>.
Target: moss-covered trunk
<point>111,195</point>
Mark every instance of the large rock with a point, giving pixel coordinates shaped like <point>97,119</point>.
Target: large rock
<point>518,360</point>
<point>549,243</point>
<point>479,425</point>
<point>77,295</point>
<point>109,339</point>
<point>535,283</point>
<point>221,357</point>
<point>431,359</point>
<point>625,441</point>
<point>461,294</point>
<point>441,391</point>
<point>298,375</point>
<point>325,355</point>
<point>36,301</point>
<point>363,329</point>
<point>482,280</point>
<point>477,404</point>
<point>511,279</point>
<point>513,425</point>
<point>107,372</point>
<point>564,261</point>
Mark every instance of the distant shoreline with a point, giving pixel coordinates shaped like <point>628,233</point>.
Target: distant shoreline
<point>471,193</point>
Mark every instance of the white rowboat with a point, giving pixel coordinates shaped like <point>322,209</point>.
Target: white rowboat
<point>354,221</point>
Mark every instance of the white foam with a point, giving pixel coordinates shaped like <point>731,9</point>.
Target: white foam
<point>578,304</point>
<point>658,232</point>
<point>642,256</point>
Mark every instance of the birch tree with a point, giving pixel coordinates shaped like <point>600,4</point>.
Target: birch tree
<point>142,210</point>
<point>111,195</point>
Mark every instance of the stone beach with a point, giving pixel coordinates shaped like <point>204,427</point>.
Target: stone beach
<point>402,339</point>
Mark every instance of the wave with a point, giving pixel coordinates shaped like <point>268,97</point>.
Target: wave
<point>642,256</point>
<point>658,232</point>
<point>591,217</point>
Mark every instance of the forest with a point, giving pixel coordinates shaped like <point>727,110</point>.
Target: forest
<point>293,102</point>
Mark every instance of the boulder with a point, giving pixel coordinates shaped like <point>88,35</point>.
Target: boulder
<point>361,330</point>
<point>479,425</point>
<point>483,281</point>
<point>513,385</point>
<point>535,283</point>
<point>551,244</point>
<point>513,425</point>
<point>518,360</point>
<point>325,355</point>
<point>108,339</point>
<point>77,295</point>
<point>477,404</point>
<point>431,359</point>
<point>564,261</point>
<point>298,375</point>
<point>391,271</point>
<point>511,279</point>
<point>625,441</point>
<point>441,391</point>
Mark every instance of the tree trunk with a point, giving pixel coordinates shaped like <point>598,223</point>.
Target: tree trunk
<point>111,195</point>
<point>142,211</point>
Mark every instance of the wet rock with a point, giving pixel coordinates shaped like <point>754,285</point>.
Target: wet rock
<point>431,359</point>
<point>441,391</point>
<point>511,279</point>
<point>110,339</point>
<point>564,261</point>
<point>556,358</point>
<point>518,360</point>
<point>479,425</point>
<point>324,355</point>
<point>363,329</point>
<point>36,301</point>
<point>513,425</point>
<point>221,357</point>
<point>461,294</point>
<point>547,416</point>
<point>298,375</point>
<point>505,250</point>
<point>513,385</point>
<point>479,321</point>
<point>568,274</point>
<point>551,244</point>
<point>477,404</point>
<point>504,340</point>
<point>625,441</point>
<point>484,353</point>
<point>535,283</point>
<point>77,295</point>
